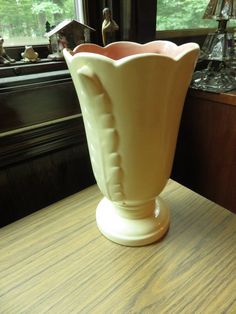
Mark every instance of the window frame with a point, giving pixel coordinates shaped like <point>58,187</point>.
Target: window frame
<point>16,69</point>
<point>183,32</point>
<point>188,32</point>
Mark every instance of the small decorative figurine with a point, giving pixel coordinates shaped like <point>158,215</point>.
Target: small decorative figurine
<point>67,34</point>
<point>29,55</point>
<point>109,27</point>
<point>4,58</point>
<point>47,27</point>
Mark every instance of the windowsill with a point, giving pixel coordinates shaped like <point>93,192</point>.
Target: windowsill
<point>186,32</point>
<point>15,51</point>
<point>34,43</point>
<point>20,68</point>
<point>23,82</point>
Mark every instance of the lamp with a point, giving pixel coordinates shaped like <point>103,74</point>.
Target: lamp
<point>220,10</point>
<point>218,50</point>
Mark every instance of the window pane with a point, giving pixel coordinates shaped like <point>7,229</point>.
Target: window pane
<point>182,14</point>
<point>23,22</point>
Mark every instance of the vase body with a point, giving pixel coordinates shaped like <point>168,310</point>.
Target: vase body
<point>131,98</point>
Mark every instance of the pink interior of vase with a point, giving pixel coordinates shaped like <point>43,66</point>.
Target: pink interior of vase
<point>120,50</point>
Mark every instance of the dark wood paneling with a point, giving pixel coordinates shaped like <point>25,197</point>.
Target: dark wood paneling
<point>33,184</point>
<point>41,166</point>
<point>43,149</point>
<point>40,140</point>
<point>205,159</point>
<point>29,104</point>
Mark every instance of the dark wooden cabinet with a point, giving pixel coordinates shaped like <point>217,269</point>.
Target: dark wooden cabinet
<point>205,159</point>
<point>43,148</point>
<point>31,99</point>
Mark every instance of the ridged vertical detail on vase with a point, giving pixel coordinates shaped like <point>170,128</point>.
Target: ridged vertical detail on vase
<point>131,98</point>
<point>103,137</point>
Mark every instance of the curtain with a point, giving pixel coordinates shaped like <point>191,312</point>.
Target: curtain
<point>136,19</point>
<point>139,20</point>
<point>95,18</point>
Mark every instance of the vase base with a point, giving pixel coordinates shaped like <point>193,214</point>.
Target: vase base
<point>130,230</point>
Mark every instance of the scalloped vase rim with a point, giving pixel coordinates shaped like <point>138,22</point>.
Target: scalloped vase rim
<point>191,46</point>
<point>131,106</point>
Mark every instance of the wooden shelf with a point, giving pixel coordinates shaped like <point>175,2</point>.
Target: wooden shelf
<point>22,68</point>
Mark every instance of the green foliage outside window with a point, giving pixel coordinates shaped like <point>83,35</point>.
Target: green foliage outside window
<point>182,14</point>
<point>23,21</point>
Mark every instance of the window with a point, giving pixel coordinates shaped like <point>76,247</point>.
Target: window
<point>23,22</point>
<point>183,14</point>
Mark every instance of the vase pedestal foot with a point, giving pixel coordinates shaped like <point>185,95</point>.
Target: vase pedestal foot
<point>133,226</point>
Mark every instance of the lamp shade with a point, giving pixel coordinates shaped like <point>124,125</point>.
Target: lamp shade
<point>220,10</point>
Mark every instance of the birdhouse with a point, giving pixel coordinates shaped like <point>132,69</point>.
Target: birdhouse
<point>67,34</point>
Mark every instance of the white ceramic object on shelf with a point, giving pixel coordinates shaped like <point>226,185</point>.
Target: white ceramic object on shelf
<point>131,97</point>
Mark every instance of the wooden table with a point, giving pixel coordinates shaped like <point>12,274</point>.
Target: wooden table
<point>56,261</point>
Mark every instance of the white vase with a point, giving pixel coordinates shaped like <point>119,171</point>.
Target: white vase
<point>131,98</point>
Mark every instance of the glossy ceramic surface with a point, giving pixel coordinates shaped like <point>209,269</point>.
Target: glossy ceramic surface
<point>131,97</point>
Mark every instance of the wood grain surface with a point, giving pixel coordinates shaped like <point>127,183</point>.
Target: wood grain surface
<point>42,100</point>
<point>205,157</point>
<point>56,261</point>
<point>228,98</point>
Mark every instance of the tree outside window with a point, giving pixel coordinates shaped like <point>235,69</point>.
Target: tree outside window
<point>23,22</point>
<point>183,14</point>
